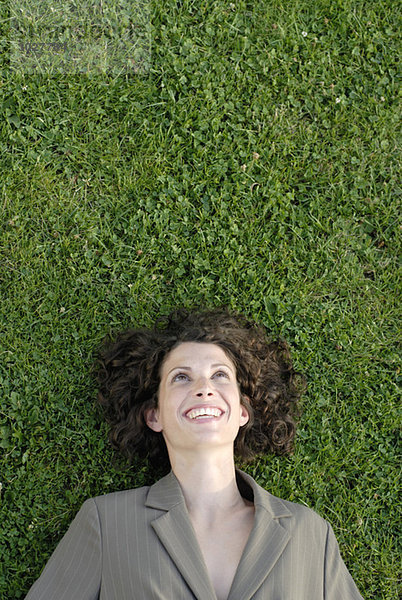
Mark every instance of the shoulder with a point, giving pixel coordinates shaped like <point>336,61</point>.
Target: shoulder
<point>302,522</point>
<point>162,495</point>
<point>296,509</point>
<point>116,501</point>
<point>304,514</point>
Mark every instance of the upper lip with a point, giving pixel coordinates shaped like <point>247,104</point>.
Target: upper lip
<point>204,407</point>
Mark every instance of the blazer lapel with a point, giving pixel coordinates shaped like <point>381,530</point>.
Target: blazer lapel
<point>176,533</point>
<point>267,541</point>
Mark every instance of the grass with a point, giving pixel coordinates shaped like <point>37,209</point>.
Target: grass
<point>253,165</point>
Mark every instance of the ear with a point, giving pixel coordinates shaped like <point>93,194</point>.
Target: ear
<point>244,415</point>
<point>152,419</point>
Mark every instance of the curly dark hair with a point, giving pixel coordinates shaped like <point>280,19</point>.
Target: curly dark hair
<point>128,372</point>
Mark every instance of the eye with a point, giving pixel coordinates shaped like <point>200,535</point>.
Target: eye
<point>221,374</point>
<point>180,377</point>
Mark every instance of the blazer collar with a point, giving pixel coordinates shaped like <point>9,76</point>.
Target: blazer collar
<point>267,541</point>
<point>167,493</point>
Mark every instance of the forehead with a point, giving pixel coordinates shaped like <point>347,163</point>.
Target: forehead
<point>191,354</point>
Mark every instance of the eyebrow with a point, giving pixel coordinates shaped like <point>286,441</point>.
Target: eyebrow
<point>213,366</point>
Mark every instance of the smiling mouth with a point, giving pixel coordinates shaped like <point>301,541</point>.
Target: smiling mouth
<point>204,413</point>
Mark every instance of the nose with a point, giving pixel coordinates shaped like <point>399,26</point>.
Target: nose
<point>203,388</point>
<point>204,394</point>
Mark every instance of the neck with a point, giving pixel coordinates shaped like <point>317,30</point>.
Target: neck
<point>209,484</point>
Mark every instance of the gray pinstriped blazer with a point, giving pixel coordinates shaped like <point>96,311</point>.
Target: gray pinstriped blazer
<point>139,544</point>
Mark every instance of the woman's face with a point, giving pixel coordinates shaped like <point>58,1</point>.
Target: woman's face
<point>198,399</point>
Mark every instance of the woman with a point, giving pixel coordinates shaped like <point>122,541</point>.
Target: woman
<point>187,394</point>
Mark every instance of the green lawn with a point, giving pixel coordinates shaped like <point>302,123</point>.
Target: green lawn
<point>252,164</point>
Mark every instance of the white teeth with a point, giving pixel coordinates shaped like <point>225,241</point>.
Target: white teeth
<point>204,412</point>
